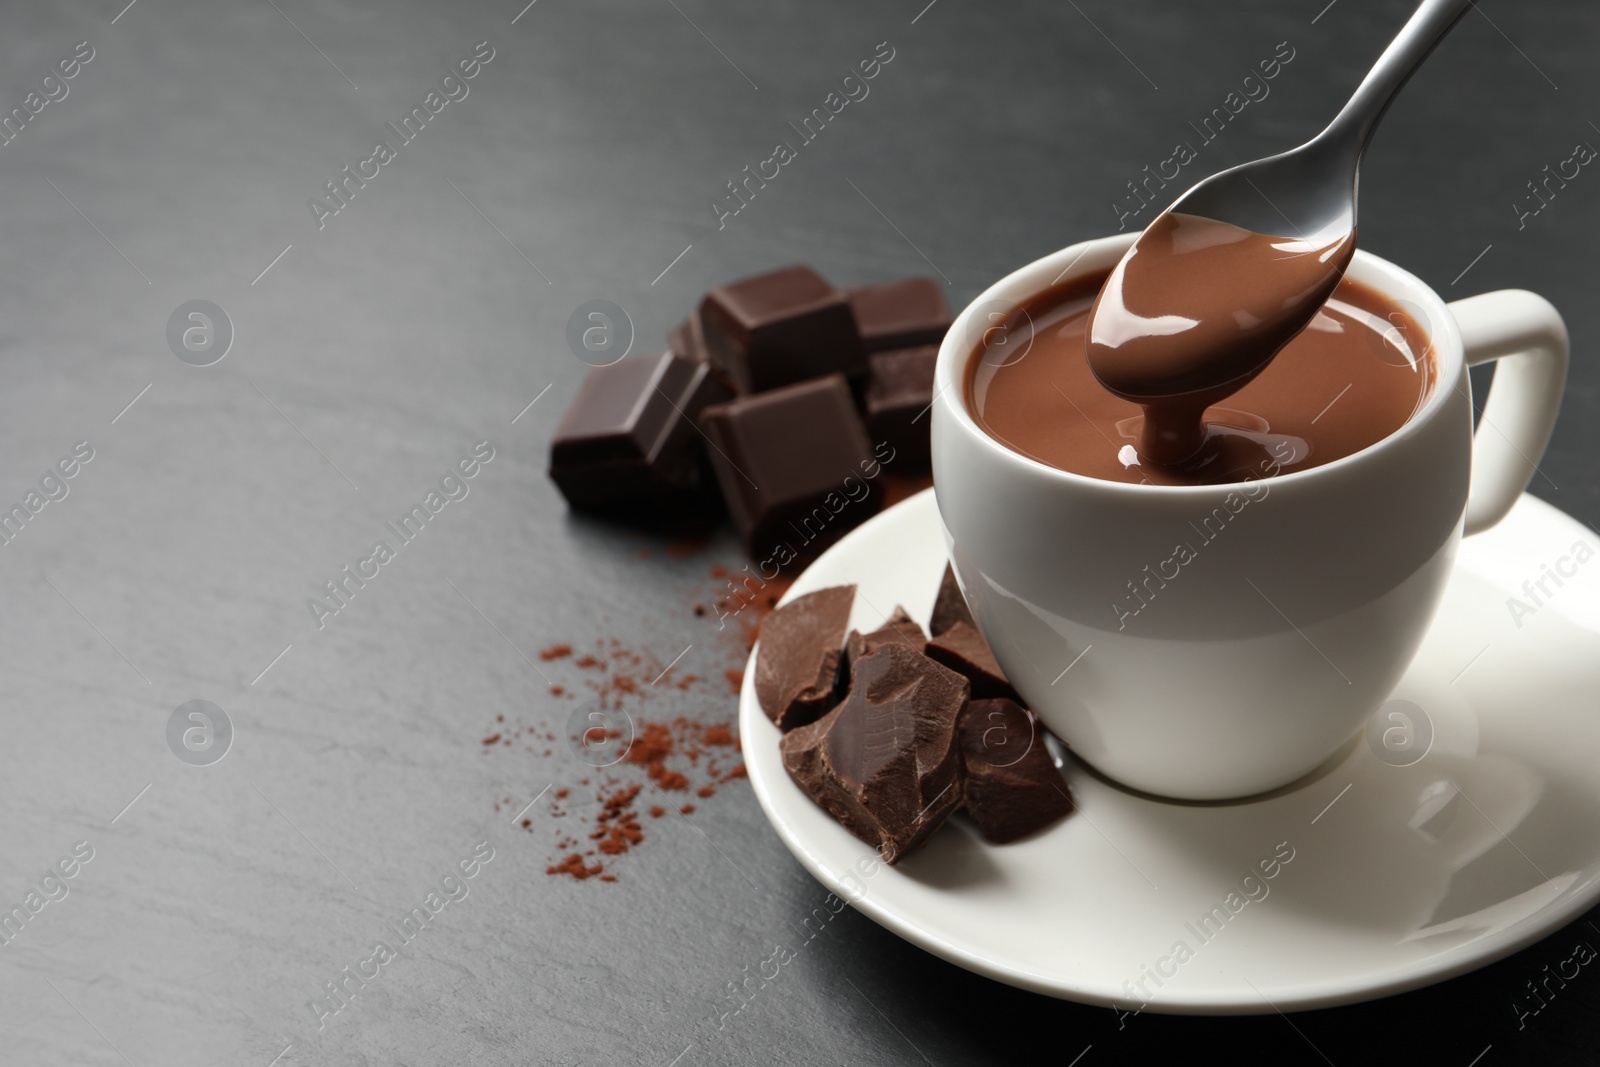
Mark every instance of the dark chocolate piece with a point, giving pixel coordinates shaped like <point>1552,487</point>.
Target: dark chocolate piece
<point>795,467</point>
<point>900,314</point>
<point>797,666</point>
<point>898,629</point>
<point>628,444</point>
<point>1011,784</point>
<point>899,395</point>
<point>949,607</point>
<point>963,649</point>
<point>780,328</point>
<point>687,339</point>
<point>684,345</point>
<point>885,762</point>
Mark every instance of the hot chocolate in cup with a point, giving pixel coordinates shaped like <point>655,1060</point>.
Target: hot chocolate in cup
<point>1209,641</point>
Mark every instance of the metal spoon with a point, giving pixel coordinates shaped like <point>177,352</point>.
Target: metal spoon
<point>1229,274</point>
<point>1310,191</point>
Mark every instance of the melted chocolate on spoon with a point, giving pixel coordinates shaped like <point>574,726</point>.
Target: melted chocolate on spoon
<point>1194,311</point>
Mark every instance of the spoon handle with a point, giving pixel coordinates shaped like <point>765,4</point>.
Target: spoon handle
<point>1359,117</point>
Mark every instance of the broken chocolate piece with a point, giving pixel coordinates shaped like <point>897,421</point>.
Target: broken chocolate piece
<point>897,629</point>
<point>900,314</point>
<point>628,443</point>
<point>899,394</point>
<point>780,328</point>
<point>885,761</point>
<point>797,665</point>
<point>963,649</point>
<point>795,467</point>
<point>949,607</point>
<point>1012,786</point>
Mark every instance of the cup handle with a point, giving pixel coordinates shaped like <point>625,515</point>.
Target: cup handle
<point>1526,332</point>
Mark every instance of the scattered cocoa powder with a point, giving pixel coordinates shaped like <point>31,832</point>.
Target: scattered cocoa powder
<point>574,866</point>
<point>665,756</point>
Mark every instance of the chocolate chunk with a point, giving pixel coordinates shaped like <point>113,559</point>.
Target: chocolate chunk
<point>885,762</point>
<point>780,328</point>
<point>628,443</point>
<point>1011,784</point>
<point>797,666</point>
<point>899,394</point>
<point>949,607</point>
<point>963,649</point>
<point>900,314</point>
<point>795,467</point>
<point>898,629</point>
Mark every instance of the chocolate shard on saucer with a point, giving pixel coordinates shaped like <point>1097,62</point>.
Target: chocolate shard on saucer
<point>899,394</point>
<point>900,314</point>
<point>797,668</point>
<point>795,467</point>
<point>1012,786</point>
<point>885,762</point>
<point>963,649</point>
<point>949,607</point>
<point>898,629</point>
<point>628,444</point>
<point>779,328</point>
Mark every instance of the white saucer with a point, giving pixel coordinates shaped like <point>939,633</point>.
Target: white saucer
<point>1401,875</point>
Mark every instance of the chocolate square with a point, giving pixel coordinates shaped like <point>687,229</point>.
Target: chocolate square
<point>898,401</point>
<point>687,339</point>
<point>628,443</point>
<point>795,466</point>
<point>900,314</point>
<point>780,328</point>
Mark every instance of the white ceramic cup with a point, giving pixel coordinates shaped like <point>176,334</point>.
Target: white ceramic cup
<point>1304,596</point>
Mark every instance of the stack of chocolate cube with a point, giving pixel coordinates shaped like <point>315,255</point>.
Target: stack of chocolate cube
<point>787,395</point>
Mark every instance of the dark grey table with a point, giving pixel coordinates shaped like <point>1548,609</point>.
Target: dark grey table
<point>371,350</point>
